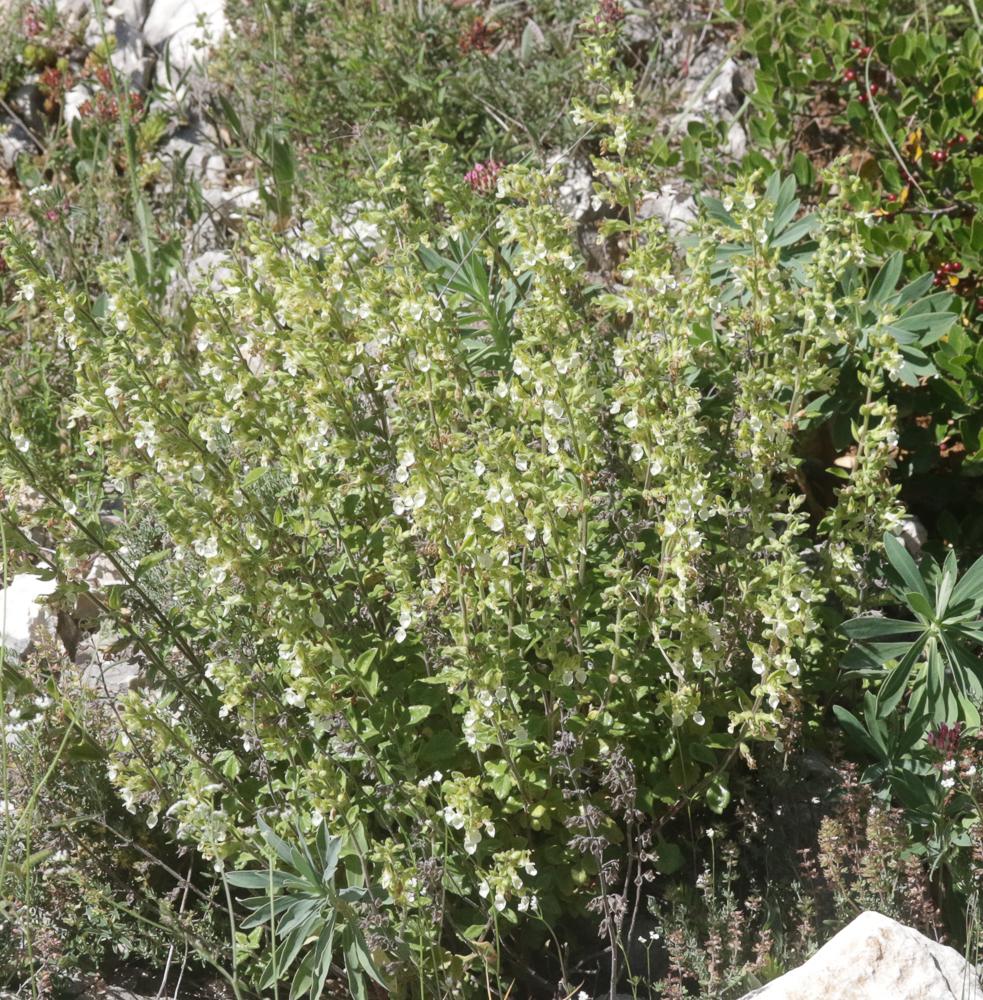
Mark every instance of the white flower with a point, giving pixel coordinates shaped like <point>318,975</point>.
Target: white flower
<point>496,523</point>
<point>631,420</point>
<point>400,634</point>
<point>479,468</point>
<point>699,718</point>
<point>295,698</point>
<point>483,889</point>
<point>637,452</point>
<point>615,407</point>
<point>499,902</point>
<point>948,782</point>
<point>530,532</point>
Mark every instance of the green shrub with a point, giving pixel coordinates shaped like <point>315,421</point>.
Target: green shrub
<point>490,567</point>
<point>896,88</point>
<point>337,81</point>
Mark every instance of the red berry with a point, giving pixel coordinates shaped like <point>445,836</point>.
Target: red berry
<point>856,43</point>
<point>862,98</point>
<point>955,267</point>
<point>891,196</point>
<point>866,51</point>
<point>874,88</point>
<point>850,75</point>
<point>979,302</point>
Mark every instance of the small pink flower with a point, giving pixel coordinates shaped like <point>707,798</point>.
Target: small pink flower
<point>482,176</point>
<point>611,12</point>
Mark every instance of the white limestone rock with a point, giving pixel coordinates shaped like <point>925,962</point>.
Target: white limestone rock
<point>576,191</point>
<point>913,534</point>
<point>182,32</point>
<point>22,613</point>
<point>876,958</point>
<point>200,159</point>
<point>14,143</point>
<point>122,21</point>
<point>672,205</point>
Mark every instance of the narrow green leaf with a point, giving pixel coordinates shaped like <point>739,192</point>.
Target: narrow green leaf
<point>796,231</point>
<point>856,729</point>
<point>886,279</point>
<point>950,570</point>
<point>904,565</point>
<point>970,586</point>
<point>870,627</point>
<point>894,687</point>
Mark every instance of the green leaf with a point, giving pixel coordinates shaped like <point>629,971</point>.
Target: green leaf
<point>886,280</point>
<point>870,627</point>
<point>322,954</point>
<point>279,845</point>
<point>796,231</point>
<point>669,858</point>
<point>950,570</point>
<point>894,687</point>
<point>718,794</point>
<point>904,565</point>
<point>256,879</point>
<point>921,605</point>
<point>970,586</point>
<point>254,475</point>
<point>715,209</point>
<point>856,729</point>
<point>328,849</point>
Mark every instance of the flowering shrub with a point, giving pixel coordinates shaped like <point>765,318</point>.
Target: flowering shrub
<point>489,567</point>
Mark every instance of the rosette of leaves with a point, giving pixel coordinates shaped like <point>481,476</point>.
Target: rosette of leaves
<point>309,915</point>
<point>925,668</point>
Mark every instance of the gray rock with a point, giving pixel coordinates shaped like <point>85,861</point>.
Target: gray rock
<point>913,534</point>
<point>200,159</point>
<point>123,21</point>
<point>181,32</point>
<point>14,142</point>
<point>672,205</point>
<point>876,958</point>
<point>22,614</point>
<point>576,191</point>
<point>232,203</point>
